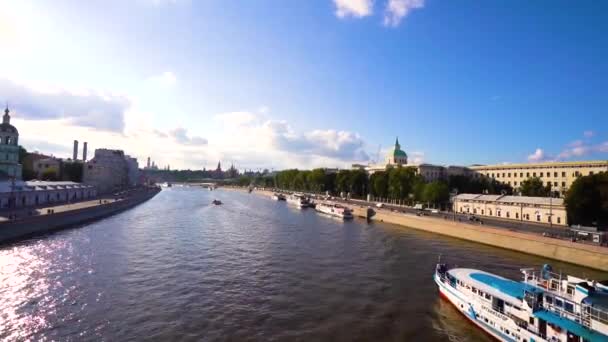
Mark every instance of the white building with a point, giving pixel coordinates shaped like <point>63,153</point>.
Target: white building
<point>518,208</point>
<point>20,194</point>
<point>111,170</point>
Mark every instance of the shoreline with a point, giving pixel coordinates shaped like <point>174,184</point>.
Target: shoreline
<point>591,256</point>
<point>14,231</point>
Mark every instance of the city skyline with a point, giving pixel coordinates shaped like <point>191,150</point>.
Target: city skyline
<point>312,84</point>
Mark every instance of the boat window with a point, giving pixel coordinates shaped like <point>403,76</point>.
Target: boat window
<point>474,290</point>
<point>532,320</point>
<point>569,307</point>
<point>570,290</point>
<point>549,299</point>
<point>488,296</point>
<point>558,302</point>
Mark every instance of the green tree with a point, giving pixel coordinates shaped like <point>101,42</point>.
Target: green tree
<point>49,175</point>
<point>436,192</point>
<point>378,183</point>
<point>534,187</point>
<point>342,181</point>
<point>358,183</point>
<point>587,201</point>
<point>72,172</point>
<point>316,180</point>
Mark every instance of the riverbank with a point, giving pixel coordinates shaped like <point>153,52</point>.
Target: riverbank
<point>571,252</point>
<point>68,215</point>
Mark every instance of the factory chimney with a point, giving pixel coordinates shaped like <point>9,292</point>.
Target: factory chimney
<point>75,157</point>
<point>84,151</point>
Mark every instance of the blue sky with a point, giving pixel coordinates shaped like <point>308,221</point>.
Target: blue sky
<point>309,83</point>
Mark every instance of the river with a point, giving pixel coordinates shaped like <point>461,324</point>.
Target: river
<point>178,268</point>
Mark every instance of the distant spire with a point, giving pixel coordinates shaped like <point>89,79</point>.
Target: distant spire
<point>397,142</point>
<point>6,118</point>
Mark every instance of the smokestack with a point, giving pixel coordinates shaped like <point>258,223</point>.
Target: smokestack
<point>84,152</point>
<point>75,157</point>
<point>148,162</point>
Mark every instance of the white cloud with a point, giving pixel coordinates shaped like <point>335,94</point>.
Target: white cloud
<point>537,156</point>
<point>416,157</point>
<point>78,107</point>
<point>166,79</point>
<point>396,10</point>
<point>353,8</point>
<point>235,118</point>
<point>588,134</point>
<point>180,135</point>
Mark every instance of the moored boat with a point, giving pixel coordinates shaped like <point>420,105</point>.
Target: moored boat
<point>278,197</point>
<point>544,307</point>
<point>334,209</point>
<point>298,200</point>
<point>216,202</point>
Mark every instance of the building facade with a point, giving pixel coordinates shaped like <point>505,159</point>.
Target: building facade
<point>558,175</point>
<point>519,208</point>
<point>46,166</point>
<point>19,194</point>
<point>9,149</point>
<point>108,170</point>
<point>133,171</point>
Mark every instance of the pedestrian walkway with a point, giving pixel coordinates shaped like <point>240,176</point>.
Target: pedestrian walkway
<point>7,214</point>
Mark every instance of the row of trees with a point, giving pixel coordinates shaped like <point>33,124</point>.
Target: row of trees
<point>587,201</point>
<point>398,183</point>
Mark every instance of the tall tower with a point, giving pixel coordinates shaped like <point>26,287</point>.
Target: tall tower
<point>84,151</point>
<point>75,154</point>
<point>9,148</point>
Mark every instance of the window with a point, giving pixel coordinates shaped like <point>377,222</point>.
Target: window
<point>503,175</point>
<point>516,215</point>
<point>590,173</point>
<point>538,218</point>
<point>532,320</point>
<point>563,174</point>
<point>569,307</point>
<point>554,183</point>
<point>508,216</point>
<point>481,211</point>
<point>548,183</point>
<point>563,183</point>
<point>498,175</point>
<point>515,183</point>
<point>510,174</point>
<point>541,174</point>
<point>521,174</point>
<point>554,174</point>
<point>527,174</point>
<point>498,213</point>
<point>559,219</point>
<point>558,302</point>
<point>492,175</point>
<point>549,299</point>
<point>533,174</point>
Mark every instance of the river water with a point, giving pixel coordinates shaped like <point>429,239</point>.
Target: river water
<point>178,268</point>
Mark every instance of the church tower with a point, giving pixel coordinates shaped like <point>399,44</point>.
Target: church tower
<point>397,156</point>
<point>9,149</point>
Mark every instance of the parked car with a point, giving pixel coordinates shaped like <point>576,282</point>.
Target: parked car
<point>379,205</point>
<point>473,218</point>
<point>435,211</point>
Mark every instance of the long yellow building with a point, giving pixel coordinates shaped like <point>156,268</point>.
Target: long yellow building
<point>559,175</point>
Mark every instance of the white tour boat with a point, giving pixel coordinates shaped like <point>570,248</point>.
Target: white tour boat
<point>544,307</point>
<point>334,209</point>
<point>298,200</point>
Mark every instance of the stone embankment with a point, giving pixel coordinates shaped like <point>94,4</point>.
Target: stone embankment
<point>70,215</point>
<point>572,252</point>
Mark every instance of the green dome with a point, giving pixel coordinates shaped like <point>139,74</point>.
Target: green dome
<point>399,153</point>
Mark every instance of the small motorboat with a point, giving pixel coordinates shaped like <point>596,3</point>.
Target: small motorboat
<point>216,202</point>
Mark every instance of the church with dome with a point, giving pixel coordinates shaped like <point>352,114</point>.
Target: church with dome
<point>9,149</point>
<point>397,156</point>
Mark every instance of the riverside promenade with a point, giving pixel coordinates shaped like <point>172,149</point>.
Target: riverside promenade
<point>26,222</point>
<point>528,242</point>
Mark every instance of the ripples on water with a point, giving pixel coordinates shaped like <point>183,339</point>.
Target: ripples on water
<point>177,268</point>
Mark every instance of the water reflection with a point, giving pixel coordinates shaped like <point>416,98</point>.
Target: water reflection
<point>177,268</point>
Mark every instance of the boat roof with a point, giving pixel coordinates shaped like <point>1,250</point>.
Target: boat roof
<point>497,286</point>
<point>571,326</point>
